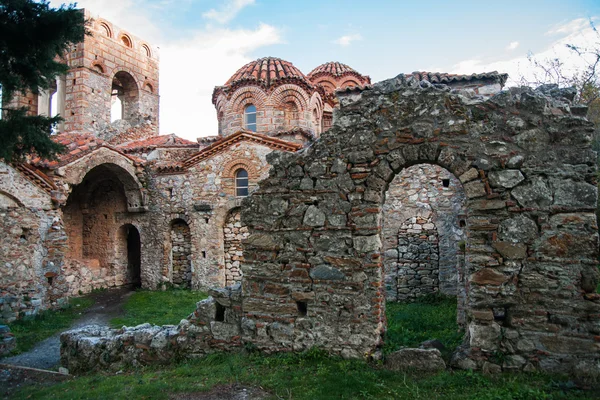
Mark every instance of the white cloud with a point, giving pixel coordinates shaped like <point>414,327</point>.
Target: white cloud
<point>512,45</point>
<point>190,70</point>
<point>228,11</point>
<point>346,40</point>
<point>520,68</point>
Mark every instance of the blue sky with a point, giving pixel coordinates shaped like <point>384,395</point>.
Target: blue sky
<point>204,42</point>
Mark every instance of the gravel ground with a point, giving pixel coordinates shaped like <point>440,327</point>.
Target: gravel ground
<point>46,354</point>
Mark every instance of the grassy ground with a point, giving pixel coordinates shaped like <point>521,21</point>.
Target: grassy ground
<point>30,331</point>
<point>311,375</point>
<point>410,324</point>
<point>158,308</point>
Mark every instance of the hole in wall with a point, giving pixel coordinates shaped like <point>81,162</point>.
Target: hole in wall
<point>445,182</point>
<point>219,312</point>
<point>203,254</point>
<point>50,280</point>
<point>206,220</point>
<point>462,223</point>
<point>302,308</point>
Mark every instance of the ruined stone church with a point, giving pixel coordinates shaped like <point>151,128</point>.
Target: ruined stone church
<point>127,206</point>
<point>321,197</point>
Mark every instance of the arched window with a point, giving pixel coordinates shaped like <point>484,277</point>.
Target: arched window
<point>250,118</point>
<point>241,183</point>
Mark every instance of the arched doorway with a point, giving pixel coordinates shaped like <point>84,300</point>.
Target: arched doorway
<point>181,253</point>
<point>423,211</point>
<point>101,251</point>
<point>130,243</point>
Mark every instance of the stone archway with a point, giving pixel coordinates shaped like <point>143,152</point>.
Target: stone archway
<point>313,269</point>
<point>97,244</point>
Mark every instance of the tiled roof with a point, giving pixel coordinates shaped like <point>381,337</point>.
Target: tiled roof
<point>445,78</point>
<point>164,141</point>
<point>336,69</point>
<point>37,177</point>
<point>77,145</point>
<point>224,143</point>
<point>266,72</point>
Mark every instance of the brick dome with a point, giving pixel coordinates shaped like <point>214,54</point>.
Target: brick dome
<point>337,70</point>
<point>267,72</point>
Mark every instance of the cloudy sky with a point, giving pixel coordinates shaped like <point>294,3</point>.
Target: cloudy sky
<point>203,42</point>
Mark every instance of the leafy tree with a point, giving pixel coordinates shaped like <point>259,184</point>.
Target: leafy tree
<point>33,41</point>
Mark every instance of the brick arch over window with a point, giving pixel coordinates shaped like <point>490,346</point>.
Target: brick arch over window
<point>349,82</point>
<point>99,67</point>
<point>229,173</point>
<point>289,93</point>
<point>247,95</point>
<point>315,226</point>
<point>105,28</point>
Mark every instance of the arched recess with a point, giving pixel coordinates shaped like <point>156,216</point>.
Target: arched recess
<point>233,235</point>
<point>119,166</point>
<point>289,93</point>
<point>129,253</point>
<point>91,219</point>
<point>124,97</point>
<point>181,253</point>
<point>7,200</point>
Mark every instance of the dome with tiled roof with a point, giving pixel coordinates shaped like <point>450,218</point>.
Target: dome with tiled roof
<point>334,75</point>
<point>334,68</point>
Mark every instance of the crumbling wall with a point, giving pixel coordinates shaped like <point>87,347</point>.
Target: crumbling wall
<point>313,269</point>
<point>181,253</point>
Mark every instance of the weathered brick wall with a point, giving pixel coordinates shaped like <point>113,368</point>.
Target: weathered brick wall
<point>313,269</point>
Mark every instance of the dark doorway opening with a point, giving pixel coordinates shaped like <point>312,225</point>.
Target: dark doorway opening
<point>134,256</point>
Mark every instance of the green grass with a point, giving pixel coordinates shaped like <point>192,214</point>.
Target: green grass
<point>31,330</point>
<point>311,375</point>
<point>158,308</point>
<point>410,324</point>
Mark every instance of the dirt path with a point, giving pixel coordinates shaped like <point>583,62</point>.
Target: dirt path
<point>46,354</point>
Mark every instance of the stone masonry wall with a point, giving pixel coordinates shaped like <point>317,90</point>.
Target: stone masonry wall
<point>417,271</point>
<point>528,173</point>
<point>234,233</point>
<point>181,254</point>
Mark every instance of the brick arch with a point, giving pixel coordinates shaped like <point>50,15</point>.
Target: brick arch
<point>232,166</point>
<point>221,103</point>
<point>289,93</point>
<point>348,82</point>
<point>99,66</point>
<point>247,95</point>
<point>328,83</point>
<point>105,26</point>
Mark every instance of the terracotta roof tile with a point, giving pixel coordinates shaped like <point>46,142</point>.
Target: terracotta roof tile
<point>267,72</point>
<point>78,145</point>
<point>164,141</point>
<point>445,78</point>
<point>224,143</point>
<point>334,68</point>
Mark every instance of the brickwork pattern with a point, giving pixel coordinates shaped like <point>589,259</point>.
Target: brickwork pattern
<point>233,233</point>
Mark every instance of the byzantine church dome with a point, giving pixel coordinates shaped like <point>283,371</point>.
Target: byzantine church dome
<point>270,96</point>
<point>334,75</point>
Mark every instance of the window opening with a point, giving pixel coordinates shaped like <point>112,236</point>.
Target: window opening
<point>250,118</point>
<point>241,183</point>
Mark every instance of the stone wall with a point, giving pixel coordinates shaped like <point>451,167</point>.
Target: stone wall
<point>181,254</point>
<point>233,233</point>
<point>313,269</point>
<point>417,271</point>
